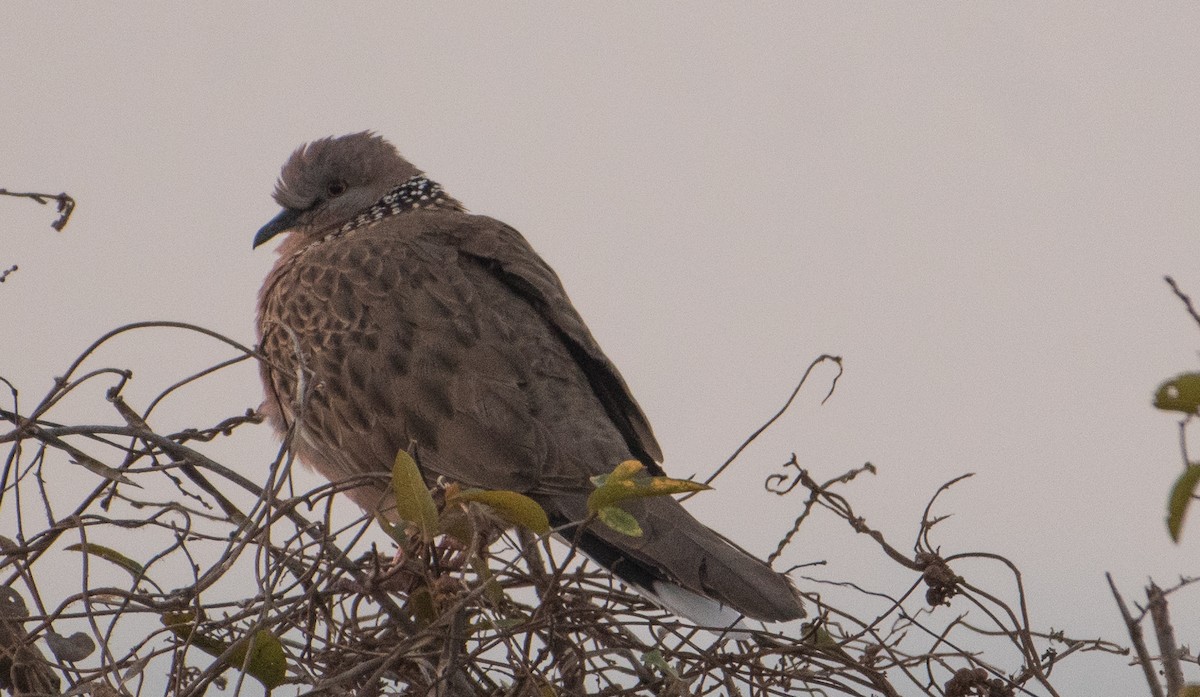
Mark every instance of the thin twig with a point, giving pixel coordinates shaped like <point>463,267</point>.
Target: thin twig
<point>467,618</point>
<point>1187,301</point>
<point>1139,643</point>
<point>1168,649</point>
<point>66,205</point>
<point>791,398</point>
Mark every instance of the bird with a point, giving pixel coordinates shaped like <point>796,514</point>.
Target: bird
<point>394,319</point>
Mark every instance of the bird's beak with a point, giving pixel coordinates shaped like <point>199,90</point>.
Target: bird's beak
<point>280,223</point>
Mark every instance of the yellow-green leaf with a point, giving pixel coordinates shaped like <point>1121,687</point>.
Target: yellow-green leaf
<point>625,471</point>
<point>491,587</point>
<point>1181,497</point>
<point>413,501</point>
<point>620,520</point>
<point>1192,690</point>
<point>1180,393</point>
<point>654,659</point>
<point>816,634</point>
<point>267,661</point>
<point>108,554</point>
<point>182,625</point>
<point>422,607</point>
<point>629,480</point>
<point>396,532</point>
<point>665,486</point>
<point>515,508</point>
<point>455,522</point>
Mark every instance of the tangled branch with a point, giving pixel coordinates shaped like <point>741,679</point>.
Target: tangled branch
<point>191,574</point>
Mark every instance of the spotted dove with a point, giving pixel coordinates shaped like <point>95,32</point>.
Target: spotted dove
<point>411,324</point>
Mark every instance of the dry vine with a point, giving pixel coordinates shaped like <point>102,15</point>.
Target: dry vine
<point>193,576</point>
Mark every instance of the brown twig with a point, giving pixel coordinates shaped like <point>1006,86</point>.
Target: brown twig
<point>350,619</point>
<point>66,205</point>
<point>1135,637</point>
<point>782,410</point>
<point>1187,301</point>
<point>1168,649</point>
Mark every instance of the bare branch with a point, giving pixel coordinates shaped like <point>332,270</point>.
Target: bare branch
<point>488,612</point>
<point>1139,643</point>
<point>1168,649</point>
<point>1187,301</point>
<point>66,205</point>
<point>787,404</point>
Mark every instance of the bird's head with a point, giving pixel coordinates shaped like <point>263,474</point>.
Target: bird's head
<point>329,181</point>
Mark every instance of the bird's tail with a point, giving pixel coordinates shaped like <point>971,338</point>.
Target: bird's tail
<point>691,570</point>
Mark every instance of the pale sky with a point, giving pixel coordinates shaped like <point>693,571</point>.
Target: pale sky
<point>973,203</point>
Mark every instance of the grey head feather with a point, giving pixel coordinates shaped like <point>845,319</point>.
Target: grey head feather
<point>329,181</point>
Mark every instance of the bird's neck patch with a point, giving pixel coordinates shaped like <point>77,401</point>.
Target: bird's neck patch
<point>417,192</point>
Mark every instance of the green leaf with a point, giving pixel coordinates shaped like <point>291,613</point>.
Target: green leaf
<point>183,625</point>
<point>515,508</point>
<point>626,471</point>
<point>1181,497</point>
<point>455,523</point>
<point>630,481</point>
<point>396,532</point>
<point>816,634</point>
<point>414,504</point>
<point>422,606</point>
<point>267,662</point>
<point>654,659</point>
<point>620,520</point>
<point>108,554</point>
<point>1180,393</point>
<point>491,587</point>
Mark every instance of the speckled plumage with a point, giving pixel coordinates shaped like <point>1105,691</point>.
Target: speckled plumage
<point>425,328</point>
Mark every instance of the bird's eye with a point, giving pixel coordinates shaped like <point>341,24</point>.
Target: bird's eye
<point>336,189</point>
